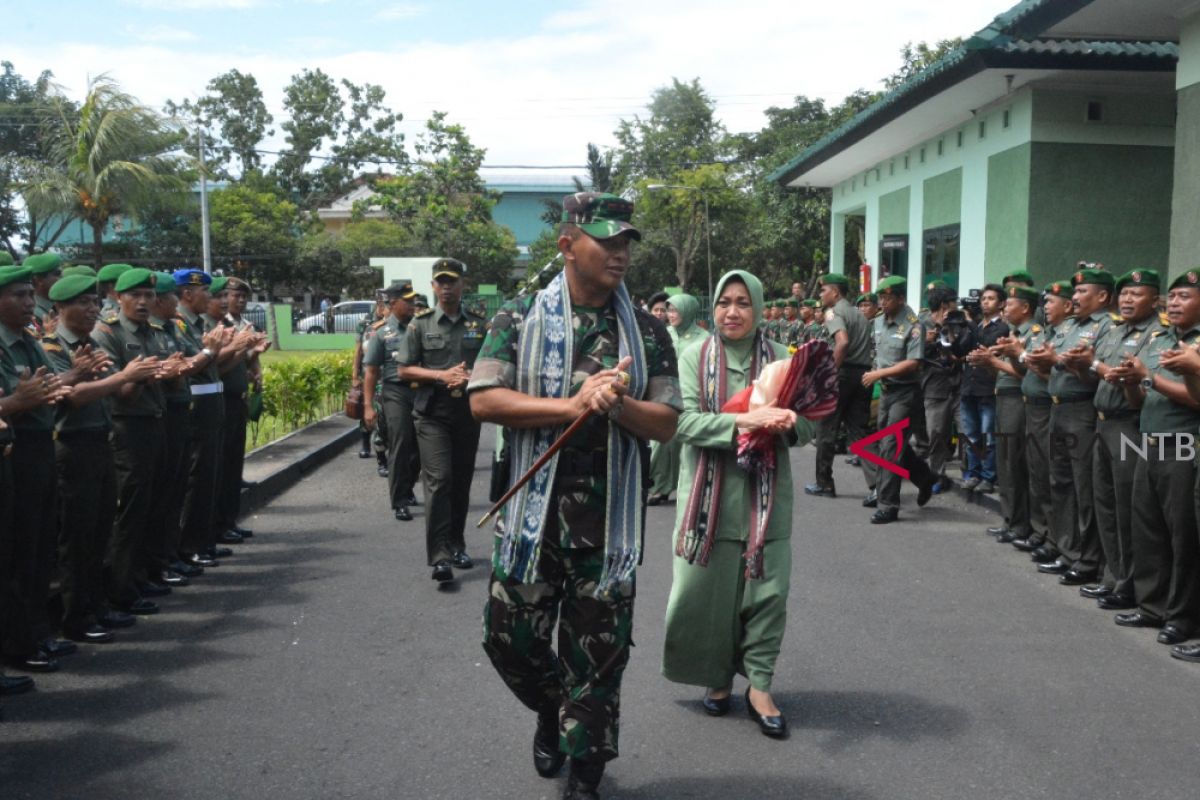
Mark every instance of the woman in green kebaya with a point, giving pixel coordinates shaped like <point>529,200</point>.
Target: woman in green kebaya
<point>682,312</point>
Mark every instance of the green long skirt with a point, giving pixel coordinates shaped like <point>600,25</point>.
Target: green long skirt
<point>664,466</point>
<point>719,623</point>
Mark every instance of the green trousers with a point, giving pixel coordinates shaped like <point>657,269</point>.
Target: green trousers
<point>1166,555</point>
<point>664,466</point>
<point>1037,446</point>
<point>448,437</point>
<point>87,492</point>
<point>1112,491</point>
<point>1011,463</point>
<point>1072,431</point>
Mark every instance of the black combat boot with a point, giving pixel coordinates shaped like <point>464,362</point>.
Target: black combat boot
<point>547,758</point>
<point>583,780</point>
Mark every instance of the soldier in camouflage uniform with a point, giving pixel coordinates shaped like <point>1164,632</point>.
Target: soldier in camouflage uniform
<point>575,694</point>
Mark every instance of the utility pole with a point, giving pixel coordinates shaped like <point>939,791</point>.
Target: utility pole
<point>206,247</point>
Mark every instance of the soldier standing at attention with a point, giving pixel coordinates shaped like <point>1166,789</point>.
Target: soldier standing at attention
<point>570,540</point>
<point>852,355</point>
<point>46,269</point>
<point>1166,553</point>
<point>899,344</point>
<point>385,352</point>
<point>439,352</point>
<point>1073,426</point>
<point>364,332</point>
<point>107,277</point>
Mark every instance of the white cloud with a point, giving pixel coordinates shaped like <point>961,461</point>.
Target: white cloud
<point>541,97</point>
<point>399,11</point>
<point>159,33</point>
<point>195,5</point>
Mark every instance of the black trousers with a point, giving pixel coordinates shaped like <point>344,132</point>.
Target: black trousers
<point>203,466</point>
<point>233,459</point>
<point>164,545</point>
<point>853,410</point>
<point>403,454</point>
<point>139,452</point>
<point>1166,553</point>
<point>448,437</point>
<point>35,521</point>
<point>1072,438</point>
<point>87,491</point>
<point>16,637</point>
<point>896,403</point>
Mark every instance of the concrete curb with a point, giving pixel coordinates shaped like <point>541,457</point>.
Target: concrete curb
<point>294,466</point>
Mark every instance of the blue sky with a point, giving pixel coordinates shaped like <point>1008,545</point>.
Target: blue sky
<point>532,81</point>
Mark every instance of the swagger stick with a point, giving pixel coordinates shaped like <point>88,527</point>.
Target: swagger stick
<point>623,377</point>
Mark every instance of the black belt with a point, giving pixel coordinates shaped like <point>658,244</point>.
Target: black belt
<point>1037,400</point>
<point>1060,399</point>
<point>28,435</point>
<point>1113,416</point>
<point>858,366</point>
<point>581,463</point>
<point>1008,392</point>
<point>93,436</point>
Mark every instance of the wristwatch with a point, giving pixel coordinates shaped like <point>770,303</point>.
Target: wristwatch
<point>1094,367</point>
<point>1148,382</point>
<point>1021,358</point>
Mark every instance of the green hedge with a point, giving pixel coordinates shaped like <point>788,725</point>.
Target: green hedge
<point>300,391</point>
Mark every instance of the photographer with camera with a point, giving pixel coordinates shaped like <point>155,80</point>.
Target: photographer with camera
<point>977,414</point>
<point>946,341</point>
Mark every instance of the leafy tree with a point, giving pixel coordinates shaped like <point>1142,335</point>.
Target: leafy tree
<point>254,234</point>
<point>234,105</point>
<point>340,262</point>
<point>111,157</point>
<point>22,147</point>
<point>915,58</point>
<point>446,207</point>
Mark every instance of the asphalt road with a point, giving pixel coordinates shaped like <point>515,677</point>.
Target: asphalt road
<point>922,660</point>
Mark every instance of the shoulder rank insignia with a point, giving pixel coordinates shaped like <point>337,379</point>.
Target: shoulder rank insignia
<point>156,326</point>
<point>109,318</point>
<point>1162,317</point>
<point>912,317</point>
<point>1115,317</point>
<point>51,346</point>
<point>1036,328</point>
<point>425,313</point>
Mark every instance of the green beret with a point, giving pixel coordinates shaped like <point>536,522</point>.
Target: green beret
<point>892,285</point>
<point>791,302</point>
<point>164,282</point>
<point>1097,276</point>
<point>1189,279</point>
<point>68,287</point>
<point>134,278</point>
<point>934,285</point>
<point>869,297</point>
<point>1140,277</point>
<point>1059,289</point>
<point>1033,296</point>
<point>13,274</point>
<point>835,278</point>
<point>110,272</point>
<point>43,263</point>
<point>6,258</point>
<point>218,285</point>
<point>1018,276</point>
<point>812,302</point>
<point>79,269</point>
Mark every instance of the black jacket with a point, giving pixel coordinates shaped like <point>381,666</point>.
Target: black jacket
<point>981,381</point>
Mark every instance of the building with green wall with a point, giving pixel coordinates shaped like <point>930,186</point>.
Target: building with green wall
<point>1066,130</point>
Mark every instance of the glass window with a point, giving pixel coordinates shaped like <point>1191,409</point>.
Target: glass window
<point>941,255</point>
<point>893,256</point>
<point>960,138</point>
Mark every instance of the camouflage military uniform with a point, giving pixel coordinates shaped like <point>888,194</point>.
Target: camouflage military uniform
<point>583,680</point>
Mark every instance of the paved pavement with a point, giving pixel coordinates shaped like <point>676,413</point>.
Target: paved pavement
<point>922,660</point>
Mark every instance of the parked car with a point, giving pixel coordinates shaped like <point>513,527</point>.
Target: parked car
<point>341,318</point>
<point>256,315</point>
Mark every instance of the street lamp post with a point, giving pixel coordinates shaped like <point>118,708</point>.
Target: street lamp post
<point>655,187</point>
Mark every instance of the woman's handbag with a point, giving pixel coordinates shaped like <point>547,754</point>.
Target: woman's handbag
<point>354,402</point>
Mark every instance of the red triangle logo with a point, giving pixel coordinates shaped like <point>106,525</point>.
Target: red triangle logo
<point>859,448</point>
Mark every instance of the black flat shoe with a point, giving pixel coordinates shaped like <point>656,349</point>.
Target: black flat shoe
<point>547,758</point>
<point>1171,634</point>
<point>775,727</point>
<point>924,493</point>
<point>1186,652</point>
<point>403,514</point>
<point>186,570</point>
<point>871,500</point>
<point>89,634</point>
<point>57,648</point>
<point>1137,620</point>
<point>382,470</point>
<point>1074,577</point>
<point>172,578</point>
<point>115,619</point>
<point>15,684</point>
<point>442,572</point>
<point>219,552</point>
<point>1028,545</point>
<point>1095,591</point>
<point>1116,602</point>
<point>245,533</point>
<point>817,490</point>
<point>229,537</point>
<point>41,661</point>
<point>885,515</point>
<point>716,707</point>
<point>199,560</point>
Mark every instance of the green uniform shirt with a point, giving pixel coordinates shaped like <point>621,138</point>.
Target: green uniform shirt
<point>191,334</point>
<point>94,416</point>
<point>1160,414</point>
<point>1003,379</point>
<point>169,342</point>
<point>845,317</point>
<point>125,340</point>
<point>1123,341</point>
<point>1034,385</point>
<point>237,379</point>
<point>435,340</point>
<point>22,351</point>
<point>41,307</point>
<point>1089,331</point>
<point>580,499</point>
<point>901,339</point>
<point>385,346</point>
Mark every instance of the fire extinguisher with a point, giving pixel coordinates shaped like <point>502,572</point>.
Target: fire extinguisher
<point>864,278</point>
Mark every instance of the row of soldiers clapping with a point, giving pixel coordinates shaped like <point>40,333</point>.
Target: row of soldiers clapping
<point>792,322</point>
<point>123,417</point>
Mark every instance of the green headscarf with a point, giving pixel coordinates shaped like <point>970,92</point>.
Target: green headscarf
<point>755,289</point>
<point>689,310</point>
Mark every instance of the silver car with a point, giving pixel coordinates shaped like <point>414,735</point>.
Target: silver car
<point>340,318</point>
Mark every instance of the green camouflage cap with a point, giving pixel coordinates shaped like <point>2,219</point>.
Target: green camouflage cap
<point>1189,279</point>
<point>1028,293</point>
<point>135,278</point>
<point>164,282</point>
<point>68,287</point>
<point>218,285</point>
<point>449,266</point>
<point>79,269</point>
<point>599,214</point>
<point>893,285</point>
<point>13,274</point>
<point>1058,288</point>
<point>1140,277</point>
<point>6,258</point>
<point>1018,276</point>
<point>869,297</point>
<point>110,272</point>
<point>43,263</point>
<point>1097,276</point>
<point>835,278</point>
<point>791,302</point>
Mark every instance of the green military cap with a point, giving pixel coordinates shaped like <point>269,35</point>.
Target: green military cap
<point>236,284</point>
<point>869,297</point>
<point>43,263</point>
<point>6,258</point>
<point>835,278</point>
<point>420,301</point>
<point>599,214</point>
<point>892,285</point>
<point>1140,277</point>
<point>164,282</point>
<point>451,267</point>
<point>218,285</point>
<point>1018,276</point>
<point>13,274</point>
<point>1189,279</point>
<point>936,284</point>
<point>110,272</point>
<point>79,269</point>
<point>1059,288</point>
<point>792,302</point>
<point>68,287</point>
<point>812,302</point>
<point>402,288</point>
<point>135,278</point>
<point>1097,276</point>
<point>1033,296</point>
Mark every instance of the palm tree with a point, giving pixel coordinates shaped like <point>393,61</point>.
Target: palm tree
<point>106,157</point>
